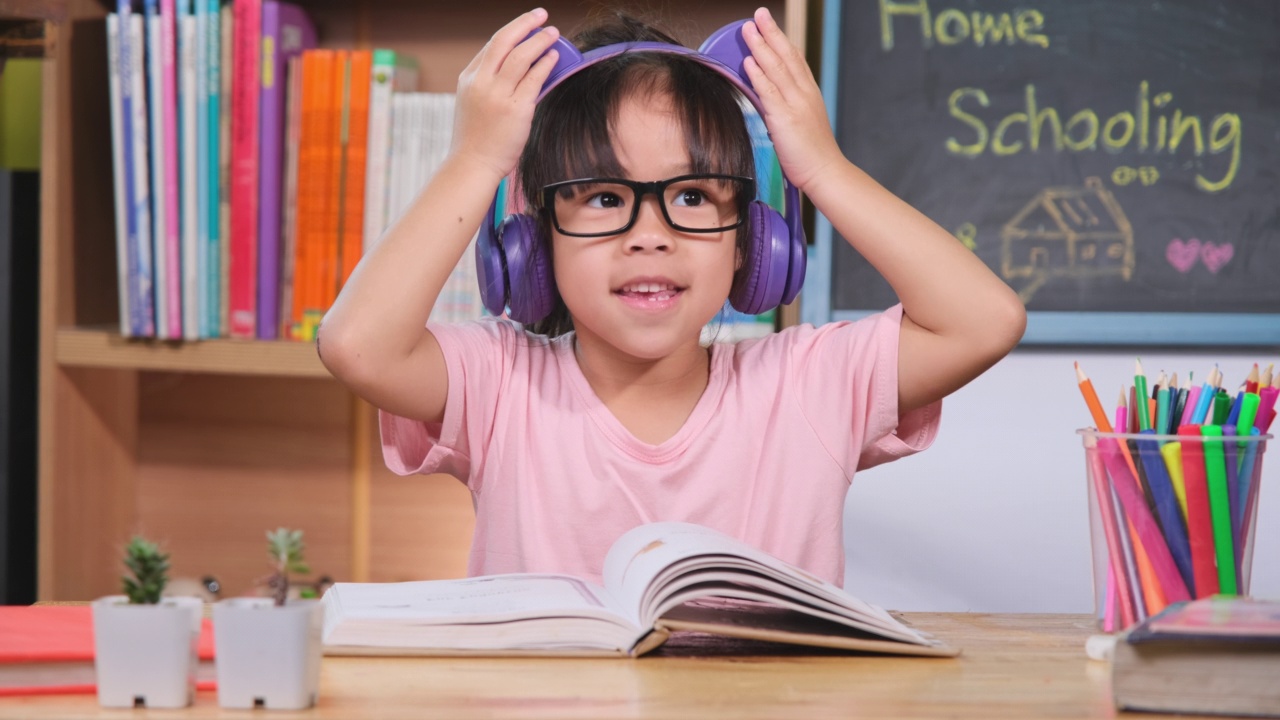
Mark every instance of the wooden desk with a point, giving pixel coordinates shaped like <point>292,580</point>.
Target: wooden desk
<point>1013,666</point>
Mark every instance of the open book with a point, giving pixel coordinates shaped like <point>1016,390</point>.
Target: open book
<point>658,579</point>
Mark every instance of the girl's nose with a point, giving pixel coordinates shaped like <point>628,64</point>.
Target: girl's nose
<point>650,231</point>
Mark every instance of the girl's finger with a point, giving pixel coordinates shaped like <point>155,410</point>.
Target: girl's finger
<point>507,38</point>
<point>765,57</point>
<point>526,54</point>
<point>531,84</point>
<point>781,45</point>
<point>765,88</point>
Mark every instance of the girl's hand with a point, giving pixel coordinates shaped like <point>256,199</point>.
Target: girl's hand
<point>794,110</point>
<point>497,92</point>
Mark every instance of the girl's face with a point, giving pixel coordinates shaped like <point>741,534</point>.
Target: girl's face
<point>648,291</point>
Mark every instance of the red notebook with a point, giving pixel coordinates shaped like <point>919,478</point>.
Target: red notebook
<point>48,649</point>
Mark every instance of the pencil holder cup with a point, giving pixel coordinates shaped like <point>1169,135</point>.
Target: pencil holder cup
<point>1171,517</point>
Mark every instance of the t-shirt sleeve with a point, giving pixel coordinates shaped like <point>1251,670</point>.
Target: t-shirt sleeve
<point>846,376</point>
<point>477,356</point>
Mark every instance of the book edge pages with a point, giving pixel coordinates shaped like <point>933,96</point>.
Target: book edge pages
<point>890,647</point>
<point>428,652</point>
<point>651,640</point>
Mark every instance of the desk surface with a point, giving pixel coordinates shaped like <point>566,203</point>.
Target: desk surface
<point>1012,666</point>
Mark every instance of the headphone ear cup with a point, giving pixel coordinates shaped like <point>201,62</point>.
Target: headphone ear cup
<point>799,261</point>
<point>530,281</point>
<point>761,281</point>
<point>491,268</point>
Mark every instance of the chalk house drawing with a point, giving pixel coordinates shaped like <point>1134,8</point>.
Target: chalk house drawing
<point>1072,232</point>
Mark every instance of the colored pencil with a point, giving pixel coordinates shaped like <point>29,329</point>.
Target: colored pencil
<point>1251,381</point>
<point>1207,391</point>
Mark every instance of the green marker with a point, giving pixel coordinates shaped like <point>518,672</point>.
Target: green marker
<point>1215,465</point>
<point>1244,423</point>
<point>1140,390</point>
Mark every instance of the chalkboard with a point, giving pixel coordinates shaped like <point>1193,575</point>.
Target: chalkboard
<point>1117,162</point>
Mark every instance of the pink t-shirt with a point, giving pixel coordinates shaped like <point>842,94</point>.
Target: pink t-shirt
<point>766,455</point>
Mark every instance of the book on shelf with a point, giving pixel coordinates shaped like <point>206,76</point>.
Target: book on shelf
<point>243,236</point>
<point>48,649</point>
<point>1217,655</point>
<point>286,33</point>
<point>126,51</point>
<point>190,181</point>
<point>392,72</point>
<point>658,579</point>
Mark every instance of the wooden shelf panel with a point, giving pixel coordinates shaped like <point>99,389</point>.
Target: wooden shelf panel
<point>95,347</point>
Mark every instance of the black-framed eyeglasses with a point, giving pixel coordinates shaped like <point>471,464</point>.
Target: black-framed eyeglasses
<point>699,203</point>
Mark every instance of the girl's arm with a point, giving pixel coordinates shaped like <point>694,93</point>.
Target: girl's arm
<point>374,337</point>
<point>958,318</point>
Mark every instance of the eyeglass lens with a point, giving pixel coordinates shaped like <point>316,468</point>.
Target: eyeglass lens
<point>592,207</point>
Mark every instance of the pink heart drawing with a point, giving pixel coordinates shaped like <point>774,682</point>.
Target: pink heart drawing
<point>1183,255</point>
<point>1216,256</point>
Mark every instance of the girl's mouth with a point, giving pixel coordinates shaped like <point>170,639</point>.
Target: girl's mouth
<point>649,296</point>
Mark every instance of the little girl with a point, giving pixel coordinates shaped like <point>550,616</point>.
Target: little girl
<point>608,412</point>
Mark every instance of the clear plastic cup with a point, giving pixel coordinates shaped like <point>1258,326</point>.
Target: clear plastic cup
<point>1171,517</point>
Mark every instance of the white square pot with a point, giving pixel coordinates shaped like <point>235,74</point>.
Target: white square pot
<point>146,654</point>
<point>268,656</point>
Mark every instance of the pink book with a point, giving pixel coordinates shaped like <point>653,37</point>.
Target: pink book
<point>171,293</point>
<point>243,238</point>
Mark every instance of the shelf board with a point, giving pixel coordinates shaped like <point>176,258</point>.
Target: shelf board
<point>99,347</point>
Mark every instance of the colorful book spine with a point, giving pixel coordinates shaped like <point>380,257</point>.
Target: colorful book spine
<point>354,172</point>
<point>289,239</point>
<point>171,291</point>
<point>242,309</point>
<point>392,72</point>
<point>211,301</point>
<point>286,32</point>
<point>120,185</point>
<point>188,132</point>
<point>155,107</point>
<point>325,290</point>
<point>141,277</point>
<point>226,29</point>
<point>200,14</point>
<point>313,157</point>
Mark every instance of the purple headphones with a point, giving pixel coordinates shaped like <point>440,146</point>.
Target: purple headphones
<point>512,263</point>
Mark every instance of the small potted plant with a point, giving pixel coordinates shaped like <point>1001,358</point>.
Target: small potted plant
<point>269,648</point>
<point>145,644</point>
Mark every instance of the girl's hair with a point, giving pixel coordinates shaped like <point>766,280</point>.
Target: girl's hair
<point>570,135</point>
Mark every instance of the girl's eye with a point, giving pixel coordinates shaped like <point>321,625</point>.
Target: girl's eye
<point>606,200</point>
<point>689,197</point>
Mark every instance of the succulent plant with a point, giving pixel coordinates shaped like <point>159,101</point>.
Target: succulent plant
<point>286,550</point>
<point>148,567</point>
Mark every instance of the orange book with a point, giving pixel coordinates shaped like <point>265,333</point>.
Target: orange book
<point>331,177</point>
<point>356,122</point>
<point>48,650</point>
<point>317,77</point>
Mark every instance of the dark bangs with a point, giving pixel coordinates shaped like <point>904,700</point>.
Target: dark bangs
<point>570,135</point>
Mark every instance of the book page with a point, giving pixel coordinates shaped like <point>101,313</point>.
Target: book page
<point>486,599</point>
<point>651,564</point>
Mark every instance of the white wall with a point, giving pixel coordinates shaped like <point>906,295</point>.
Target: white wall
<point>993,517</point>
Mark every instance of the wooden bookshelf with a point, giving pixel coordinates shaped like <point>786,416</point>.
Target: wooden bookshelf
<point>93,347</point>
<point>206,445</point>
